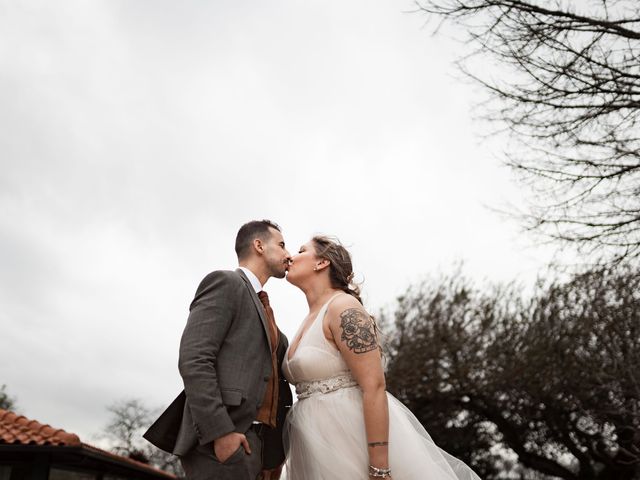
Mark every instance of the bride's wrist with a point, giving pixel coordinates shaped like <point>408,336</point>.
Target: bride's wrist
<point>379,454</point>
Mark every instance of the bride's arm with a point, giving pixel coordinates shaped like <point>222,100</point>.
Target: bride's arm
<point>353,331</point>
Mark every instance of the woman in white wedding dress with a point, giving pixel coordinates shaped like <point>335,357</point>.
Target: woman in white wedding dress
<point>344,424</point>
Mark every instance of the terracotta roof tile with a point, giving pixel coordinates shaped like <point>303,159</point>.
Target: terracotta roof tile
<point>19,430</point>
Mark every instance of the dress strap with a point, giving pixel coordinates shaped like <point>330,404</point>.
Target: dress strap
<point>326,305</point>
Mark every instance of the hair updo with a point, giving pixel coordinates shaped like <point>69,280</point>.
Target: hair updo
<point>340,266</point>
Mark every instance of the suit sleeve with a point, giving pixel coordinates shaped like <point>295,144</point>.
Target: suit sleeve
<point>210,317</point>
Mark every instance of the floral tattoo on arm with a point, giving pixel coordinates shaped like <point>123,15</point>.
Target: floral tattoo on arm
<point>358,331</point>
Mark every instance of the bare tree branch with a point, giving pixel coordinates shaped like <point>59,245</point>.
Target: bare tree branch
<point>570,99</point>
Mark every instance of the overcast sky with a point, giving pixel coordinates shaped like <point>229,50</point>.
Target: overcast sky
<point>137,136</point>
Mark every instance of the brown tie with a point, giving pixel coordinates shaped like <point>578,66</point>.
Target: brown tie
<point>269,407</point>
<point>271,319</point>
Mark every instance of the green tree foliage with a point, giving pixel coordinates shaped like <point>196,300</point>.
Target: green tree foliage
<point>547,386</point>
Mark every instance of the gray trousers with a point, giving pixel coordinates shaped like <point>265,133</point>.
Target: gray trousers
<point>202,464</point>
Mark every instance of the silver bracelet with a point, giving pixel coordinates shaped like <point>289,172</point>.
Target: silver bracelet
<point>379,472</point>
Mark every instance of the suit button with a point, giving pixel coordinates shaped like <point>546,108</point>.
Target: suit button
<point>266,378</point>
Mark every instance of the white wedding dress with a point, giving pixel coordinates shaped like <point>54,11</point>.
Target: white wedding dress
<point>325,434</point>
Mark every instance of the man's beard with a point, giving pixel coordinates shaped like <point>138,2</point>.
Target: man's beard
<point>278,271</point>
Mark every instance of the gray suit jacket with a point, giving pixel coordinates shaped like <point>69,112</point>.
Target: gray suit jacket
<point>225,363</point>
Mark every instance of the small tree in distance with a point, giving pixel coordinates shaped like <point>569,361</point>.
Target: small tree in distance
<point>129,420</point>
<point>6,402</point>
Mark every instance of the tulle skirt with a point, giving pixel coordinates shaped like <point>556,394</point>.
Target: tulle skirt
<point>325,440</point>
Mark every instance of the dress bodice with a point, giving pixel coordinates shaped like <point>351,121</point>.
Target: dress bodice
<point>314,358</point>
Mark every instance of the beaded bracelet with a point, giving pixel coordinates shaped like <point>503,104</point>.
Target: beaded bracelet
<point>379,472</point>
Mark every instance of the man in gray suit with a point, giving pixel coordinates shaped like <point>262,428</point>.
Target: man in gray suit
<point>227,423</point>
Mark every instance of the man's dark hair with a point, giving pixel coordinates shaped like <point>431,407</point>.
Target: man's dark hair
<point>249,232</point>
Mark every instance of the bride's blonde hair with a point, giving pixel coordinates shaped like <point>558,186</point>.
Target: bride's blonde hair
<point>340,265</point>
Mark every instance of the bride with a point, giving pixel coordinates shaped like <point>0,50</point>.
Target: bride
<point>345,425</point>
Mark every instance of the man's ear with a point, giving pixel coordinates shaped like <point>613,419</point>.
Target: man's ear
<point>258,246</point>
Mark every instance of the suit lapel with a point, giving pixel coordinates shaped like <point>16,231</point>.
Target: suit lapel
<point>258,305</point>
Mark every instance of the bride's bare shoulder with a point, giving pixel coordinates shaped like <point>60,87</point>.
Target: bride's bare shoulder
<point>341,304</point>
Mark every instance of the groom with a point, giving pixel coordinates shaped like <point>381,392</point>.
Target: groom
<point>227,423</point>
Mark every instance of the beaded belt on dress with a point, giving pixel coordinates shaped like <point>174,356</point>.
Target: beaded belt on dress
<point>306,389</point>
